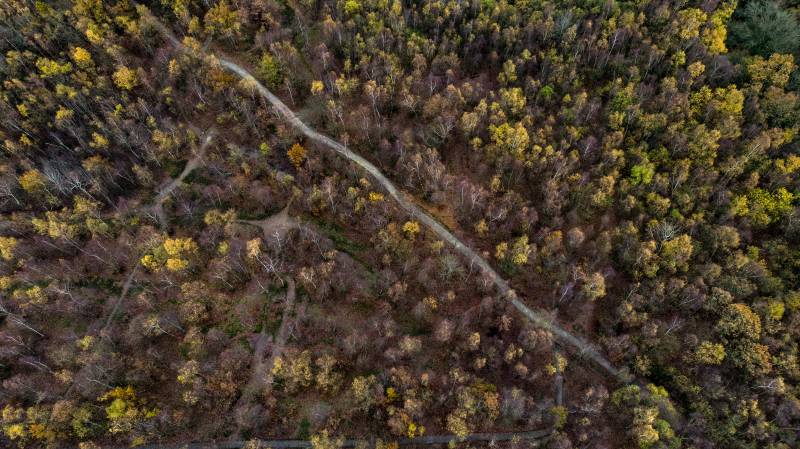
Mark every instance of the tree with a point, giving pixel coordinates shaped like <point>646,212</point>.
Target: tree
<point>644,431</point>
<point>560,415</point>
<point>642,173</point>
<point>351,7</point>
<point>296,154</point>
<point>594,286</point>
<point>690,21</point>
<point>295,370</point>
<point>753,358</point>
<point>644,409</point>
<point>764,28</point>
<point>774,71</point>
<point>125,78</point>
<point>715,33</point>
<point>7,247</point>
<point>514,255</point>
<point>317,87</point>
<point>411,228</point>
<point>270,70</point>
<point>327,379</point>
<point>82,57</point>
<point>509,73</point>
<point>50,68</point>
<point>709,353</point>
<point>457,425</point>
<point>32,182</point>
<point>739,322</point>
<point>508,139</point>
<point>676,253</point>
<point>763,207</point>
<point>173,254</point>
<point>221,20</point>
<point>363,390</point>
<point>125,411</point>
<point>513,101</point>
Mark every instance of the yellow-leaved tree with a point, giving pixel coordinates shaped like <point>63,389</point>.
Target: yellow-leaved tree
<point>296,154</point>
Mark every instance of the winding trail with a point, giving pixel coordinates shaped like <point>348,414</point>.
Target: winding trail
<point>537,317</point>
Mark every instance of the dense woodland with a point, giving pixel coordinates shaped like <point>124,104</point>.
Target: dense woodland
<point>177,263</point>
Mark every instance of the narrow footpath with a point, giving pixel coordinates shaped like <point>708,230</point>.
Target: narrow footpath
<point>539,318</point>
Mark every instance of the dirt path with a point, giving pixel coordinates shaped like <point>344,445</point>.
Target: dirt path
<point>166,191</point>
<point>261,373</point>
<point>158,210</point>
<point>538,318</point>
<point>118,302</point>
<point>541,319</point>
<point>287,325</point>
<point>109,318</point>
<point>559,383</point>
<point>275,226</point>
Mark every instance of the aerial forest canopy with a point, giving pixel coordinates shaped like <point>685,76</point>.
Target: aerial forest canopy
<point>384,223</point>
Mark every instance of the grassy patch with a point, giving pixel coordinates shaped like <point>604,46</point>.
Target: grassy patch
<point>267,321</point>
<point>256,215</point>
<point>413,327</point>
<point>339,239</point>
<point>303,429</point>
<point>364,307</point>
<point>233,327</point>
<point>198,176</point>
